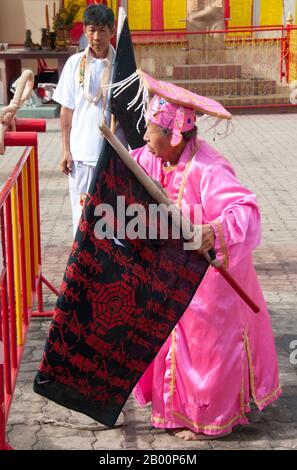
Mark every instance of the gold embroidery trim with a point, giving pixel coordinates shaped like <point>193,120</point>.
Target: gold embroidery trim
<point>242,390</point>
<point>206,426</point>
<point>173,368</point>
<point>158,419</point>
<point>185,175</point>
<point>222,243</point>
<point>268,397</point>
<point>178,203</point>
<point>243,406</point>
<point>259,403</point>
<point>251,370</point>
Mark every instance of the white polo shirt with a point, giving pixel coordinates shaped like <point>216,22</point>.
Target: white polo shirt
<point>85,137</point>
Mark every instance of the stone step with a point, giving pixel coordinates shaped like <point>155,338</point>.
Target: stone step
<point>45,111</point>
<point>185,72</point>
<point>222,87</point>
<point>251,100</point>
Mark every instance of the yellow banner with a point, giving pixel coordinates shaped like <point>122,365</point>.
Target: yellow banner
<point>240,13</point>
<point>175,14</point>
<point>271,12</point>
<point>81,3</point>
<point>113,4</point>
<point>139,14</point>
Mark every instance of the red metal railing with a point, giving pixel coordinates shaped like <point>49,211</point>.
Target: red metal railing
<point>21,276</point>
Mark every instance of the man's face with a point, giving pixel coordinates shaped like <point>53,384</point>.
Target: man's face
<point>99,39</point>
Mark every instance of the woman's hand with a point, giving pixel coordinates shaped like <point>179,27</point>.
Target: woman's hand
<point>207,239</point>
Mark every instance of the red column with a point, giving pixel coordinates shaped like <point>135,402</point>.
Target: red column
<point>157,22</point>
<point>227,12</point>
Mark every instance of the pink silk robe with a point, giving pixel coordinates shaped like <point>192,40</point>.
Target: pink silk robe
<point>220,353</point>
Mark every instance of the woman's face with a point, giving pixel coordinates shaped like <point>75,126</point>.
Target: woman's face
<point>158,142</point>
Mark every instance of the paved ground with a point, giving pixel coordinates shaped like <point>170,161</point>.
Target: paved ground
<point>263,152</point>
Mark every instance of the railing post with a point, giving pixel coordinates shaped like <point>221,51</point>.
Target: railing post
<point>21,246</point>
<point>35,172</point>
<point>2,395</point>
<point>16,262</point>
<point>31,226</point>
<point>289,24</point>
<point>22,252</point>
<point>285,50</point>
<point>4,313</point>
<point>11,286</point>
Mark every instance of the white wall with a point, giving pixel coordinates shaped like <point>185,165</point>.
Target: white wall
<point>34,11</point>
<point>289,6</point>
<point>12,21</point>
<point>18,15</point>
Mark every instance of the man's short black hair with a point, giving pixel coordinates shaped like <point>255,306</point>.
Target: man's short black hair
<point>99,15</point>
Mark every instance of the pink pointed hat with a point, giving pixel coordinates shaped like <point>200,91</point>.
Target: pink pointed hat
<point>173,117</point>
<point>175,108</point>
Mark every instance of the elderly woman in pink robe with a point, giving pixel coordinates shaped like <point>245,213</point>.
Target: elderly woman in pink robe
<point>220,354</point>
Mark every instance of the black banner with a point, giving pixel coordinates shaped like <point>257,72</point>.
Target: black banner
<point>119,301</point>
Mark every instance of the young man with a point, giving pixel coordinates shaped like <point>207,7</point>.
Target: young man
<point>83,97</point>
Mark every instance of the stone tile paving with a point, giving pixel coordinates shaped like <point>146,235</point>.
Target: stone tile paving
<point>263,152</point>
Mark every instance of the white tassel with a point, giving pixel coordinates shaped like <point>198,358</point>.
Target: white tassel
<point>216,122</point>
<point>118,91</point>
<point>134,101</point>
<point>121,86</point>
<point>122,82</point>
<point>143,104</point>
<point>229,129</point>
